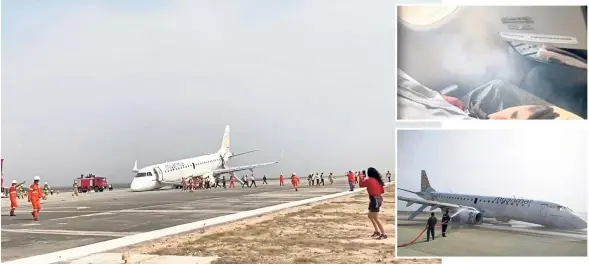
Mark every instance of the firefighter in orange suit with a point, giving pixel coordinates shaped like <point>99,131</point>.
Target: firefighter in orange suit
<point>294,179</point>
<point>35,195</point>
<point>13,190</point>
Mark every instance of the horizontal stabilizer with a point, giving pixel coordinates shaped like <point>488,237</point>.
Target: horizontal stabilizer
<point>243,153</point>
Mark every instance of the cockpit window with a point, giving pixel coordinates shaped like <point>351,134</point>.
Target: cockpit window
<point>563,209</point>
<point>142,174</point>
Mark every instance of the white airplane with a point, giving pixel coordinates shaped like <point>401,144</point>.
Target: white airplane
<point>471,209</point>
<point>209,167</point>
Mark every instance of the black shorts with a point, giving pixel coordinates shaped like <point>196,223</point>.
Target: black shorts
<point>375,203</point>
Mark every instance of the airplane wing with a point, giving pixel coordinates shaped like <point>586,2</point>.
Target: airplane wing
<point>433,204</point>
<point>241,168</point>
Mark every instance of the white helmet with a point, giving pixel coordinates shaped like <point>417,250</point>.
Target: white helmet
<point>45,182</point>
<point>36,178</point>
<point>13,181</point>
<point>294,173</point>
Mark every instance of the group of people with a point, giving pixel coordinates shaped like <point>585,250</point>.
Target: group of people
<point>34,196</point>
<point>354,178</point>
<point>317,179</point>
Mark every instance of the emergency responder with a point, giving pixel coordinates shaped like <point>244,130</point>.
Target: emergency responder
<point>75,185</point>
<point>389,175</point>
<point>34,197</point>
<point>110,187</point>
<point>310,179</point>
<point>295,181</point>
<point>321,179</point>
<point>330,178</point>
<point>231,181</point>
<point>281,180</point>
<point>45,190</point>
<point>445,220</point>
<point>224,182</point>
<point>431,225</point>
<point>264,180</point>
<point>13,194</point>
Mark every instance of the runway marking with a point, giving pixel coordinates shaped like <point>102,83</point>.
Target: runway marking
<point>122,210</point>
<point>67,211</point>
<point>212,211</point>
<point>31,224</point>
<point>70,232</point>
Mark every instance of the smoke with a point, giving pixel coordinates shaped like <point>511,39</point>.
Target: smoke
<point>475,52</point>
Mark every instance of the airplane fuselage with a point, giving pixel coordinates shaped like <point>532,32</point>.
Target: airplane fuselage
<point>156,176</point>
<point>544,213</point>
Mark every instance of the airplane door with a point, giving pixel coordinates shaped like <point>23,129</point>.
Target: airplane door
<point>544,210</point>
<point>158,174</point>
<point>476,200</point>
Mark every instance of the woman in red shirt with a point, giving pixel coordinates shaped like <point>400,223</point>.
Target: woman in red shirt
<point>375,188</point>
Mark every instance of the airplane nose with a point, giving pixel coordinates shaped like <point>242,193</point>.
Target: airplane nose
<point>580,223</point>
<point>136,185</point>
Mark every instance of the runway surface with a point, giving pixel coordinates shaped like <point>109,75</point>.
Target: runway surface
<point>488,240</point>
<point>65,223</point>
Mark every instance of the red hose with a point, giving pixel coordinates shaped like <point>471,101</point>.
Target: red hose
<point>418,236</point>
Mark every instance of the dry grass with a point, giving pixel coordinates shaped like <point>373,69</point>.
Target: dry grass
<point>336,231</point>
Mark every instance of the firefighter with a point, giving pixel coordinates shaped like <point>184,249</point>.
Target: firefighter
<point>310,179</point>
<point>231,181</point>
<point>45,190</point>
<point>295,181</point>
<point>224,182</point>
<point>34,197</point>
<point>110,187</point>
<point>13,194</point>
<point>445,220</point>
<point>264,180</point>
<point>281,180</point>
<point>75,188</point>
<point>183,182</point>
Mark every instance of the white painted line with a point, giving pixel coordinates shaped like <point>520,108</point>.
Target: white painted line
<point>70,232</point>
<point>204,211</point>
<point>78,252</point>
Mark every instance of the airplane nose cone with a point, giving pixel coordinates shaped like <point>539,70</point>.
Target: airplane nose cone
<point>580,223</point>
<point>136,186</point>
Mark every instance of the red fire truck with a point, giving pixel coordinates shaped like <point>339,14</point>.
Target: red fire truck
<point>92,182</point>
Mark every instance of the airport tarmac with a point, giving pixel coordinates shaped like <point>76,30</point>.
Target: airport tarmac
<point>487,240</point>
<point>90,218</point>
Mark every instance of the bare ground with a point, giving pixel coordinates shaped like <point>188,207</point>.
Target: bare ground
<point>335,231</point>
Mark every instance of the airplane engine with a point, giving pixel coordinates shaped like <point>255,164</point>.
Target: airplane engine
<point>470,216</point>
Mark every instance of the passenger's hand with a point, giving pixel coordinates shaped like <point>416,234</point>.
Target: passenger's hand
<point>526,112</point>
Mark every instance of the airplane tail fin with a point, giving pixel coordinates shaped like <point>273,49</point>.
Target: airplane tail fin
<point>226,143</point>
<point>425,187</point>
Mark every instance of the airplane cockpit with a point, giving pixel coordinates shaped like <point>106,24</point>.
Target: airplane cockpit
<point>143,174</point>
<point>480,62</point>
<point>558,216</point>
<point>143,181</point>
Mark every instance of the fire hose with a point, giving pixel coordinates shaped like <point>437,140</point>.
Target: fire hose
<point>419,236</point>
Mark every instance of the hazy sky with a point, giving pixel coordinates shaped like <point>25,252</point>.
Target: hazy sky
<point>90,86</point>
<point>535,164</point>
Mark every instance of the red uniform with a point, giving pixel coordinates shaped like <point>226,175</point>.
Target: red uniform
<point>13,199</point>
<point>35,196</point>
<point>295,182</point>
<point>231,182</point>
<point>281,179</point>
